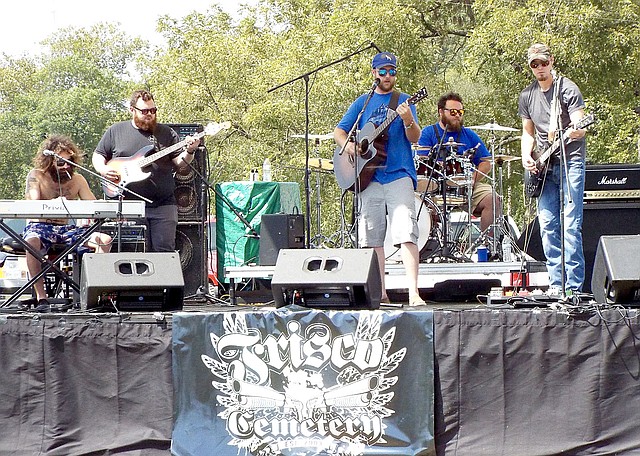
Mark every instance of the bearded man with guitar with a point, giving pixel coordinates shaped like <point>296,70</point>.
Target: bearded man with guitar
<point>129,142</point>
<point>391,178</point>
<point>552,111</point>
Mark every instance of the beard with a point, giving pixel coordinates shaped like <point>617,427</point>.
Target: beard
<point>453,125</point>
<point>386,86</point>
<point>145,124</point>
<point>61,175</point>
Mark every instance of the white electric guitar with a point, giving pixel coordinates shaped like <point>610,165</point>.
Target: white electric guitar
<point>131,169</point>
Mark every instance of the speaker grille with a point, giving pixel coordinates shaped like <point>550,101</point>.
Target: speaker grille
<point>188,189</point>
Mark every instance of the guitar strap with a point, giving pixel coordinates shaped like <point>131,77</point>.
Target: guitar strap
<point>393,104</point>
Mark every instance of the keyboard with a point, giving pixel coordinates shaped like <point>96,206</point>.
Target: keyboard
<point>68,209</point>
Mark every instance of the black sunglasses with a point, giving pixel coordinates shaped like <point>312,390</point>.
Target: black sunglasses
<point>144,112</point>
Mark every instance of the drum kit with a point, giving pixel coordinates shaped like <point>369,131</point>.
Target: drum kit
<point>442,201</point>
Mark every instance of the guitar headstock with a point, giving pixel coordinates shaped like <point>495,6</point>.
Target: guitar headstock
<point>418,96</point>
<point>214,128</point>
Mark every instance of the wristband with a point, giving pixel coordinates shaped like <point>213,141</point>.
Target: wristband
<point>406,127</point>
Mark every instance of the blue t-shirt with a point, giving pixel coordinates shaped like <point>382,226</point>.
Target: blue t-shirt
<point>399,161</point>
<point>465,136</point>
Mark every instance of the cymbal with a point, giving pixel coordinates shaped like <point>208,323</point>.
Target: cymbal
<point>323,164</point>
<point>421,148</point>
<point>318,137</point>
<point>500,157</point>
<point>492,127</point>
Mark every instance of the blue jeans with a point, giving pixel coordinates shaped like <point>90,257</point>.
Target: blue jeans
<point>549,218</point>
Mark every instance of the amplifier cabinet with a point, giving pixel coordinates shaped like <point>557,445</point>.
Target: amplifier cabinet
<point>606,218</point>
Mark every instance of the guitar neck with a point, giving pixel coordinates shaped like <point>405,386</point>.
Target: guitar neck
<point>390,118</point>
<point>158,155</point>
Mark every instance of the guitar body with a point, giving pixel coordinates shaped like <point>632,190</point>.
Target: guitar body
<point>129,169</point>
<point>533,182</point>
<point>344,165</point>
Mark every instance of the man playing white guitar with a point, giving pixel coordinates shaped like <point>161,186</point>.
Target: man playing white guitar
<point>120,153</point>
<point>394,179</point>
<point>549,106</point>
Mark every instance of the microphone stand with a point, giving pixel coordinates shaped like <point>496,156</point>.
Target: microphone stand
<point>561,189</point>
<point>121,189</point>
<point>305,77</point>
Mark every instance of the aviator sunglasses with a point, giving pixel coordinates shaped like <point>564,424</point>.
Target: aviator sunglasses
<point>535,65</point>
<point>455,112</point>
<point>144,112</point>
<point>383,72</point>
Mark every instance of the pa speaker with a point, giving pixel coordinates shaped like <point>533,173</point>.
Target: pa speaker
<point>132,281</point>
<point>327,279</point>
<point>616,270</point>
<point>279,231</point>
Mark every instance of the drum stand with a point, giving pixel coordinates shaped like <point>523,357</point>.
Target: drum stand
<point>497,230</point>
<point>448,250</point>
<point>319,239</point>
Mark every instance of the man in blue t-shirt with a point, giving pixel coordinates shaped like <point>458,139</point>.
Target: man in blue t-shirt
<point>392,185</point>
<point>450,115</point>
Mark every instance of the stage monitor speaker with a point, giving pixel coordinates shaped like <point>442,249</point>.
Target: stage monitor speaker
<point>327,279</point>
<point>279,231</point>
<point>616,270</point>
<point>188,191</point>
<point>606,219</point>
<point>191,246</point>
<point>132,281</point>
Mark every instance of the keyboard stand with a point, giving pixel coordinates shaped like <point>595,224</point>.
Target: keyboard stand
<point>47,265</point>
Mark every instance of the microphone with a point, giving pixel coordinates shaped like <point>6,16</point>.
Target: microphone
<point>48,153</point>
<point>376,83</point>
<point>375,47</point>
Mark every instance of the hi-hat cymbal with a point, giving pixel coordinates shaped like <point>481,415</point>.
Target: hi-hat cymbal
<point>421,148</point>
<point>500,158</point>
<point>492,127</point>
<point>318,137</point>
<point>323,164</point>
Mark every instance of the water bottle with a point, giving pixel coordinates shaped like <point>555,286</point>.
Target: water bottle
<point>506,250</point>
<point>266,170</point>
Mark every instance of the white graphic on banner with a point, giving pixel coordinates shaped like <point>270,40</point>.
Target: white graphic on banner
<point>312,387</point>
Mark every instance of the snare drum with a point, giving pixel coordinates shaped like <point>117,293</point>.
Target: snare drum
<point>429,222</point>
<point>427,175</point>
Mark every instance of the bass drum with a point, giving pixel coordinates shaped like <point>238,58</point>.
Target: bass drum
<point>429,222</point>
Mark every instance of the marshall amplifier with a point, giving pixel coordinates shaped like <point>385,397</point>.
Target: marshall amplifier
<point>612,182</point>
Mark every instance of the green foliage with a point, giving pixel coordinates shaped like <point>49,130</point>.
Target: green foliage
<point>262,70</point>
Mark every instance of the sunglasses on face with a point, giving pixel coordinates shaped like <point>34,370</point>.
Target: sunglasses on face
<point>144,112</point>
<point>455,112</point>
<point>535,65</point>
<point>383,72</point>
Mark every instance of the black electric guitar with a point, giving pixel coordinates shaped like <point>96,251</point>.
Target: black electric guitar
<point>372,154</point>
<point>131,169</point>
<point>533,182</point>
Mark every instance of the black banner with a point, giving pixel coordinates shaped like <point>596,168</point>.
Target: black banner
<point>303,382</point>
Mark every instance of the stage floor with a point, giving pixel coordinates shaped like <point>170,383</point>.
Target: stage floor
<point>539,381</point>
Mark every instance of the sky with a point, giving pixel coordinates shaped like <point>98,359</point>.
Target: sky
<point>27,22</point>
